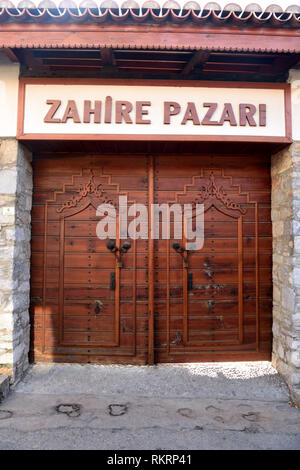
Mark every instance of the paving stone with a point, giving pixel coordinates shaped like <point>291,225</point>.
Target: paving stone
<point>101,407</point>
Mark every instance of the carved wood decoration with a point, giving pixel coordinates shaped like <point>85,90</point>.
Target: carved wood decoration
<point>211,192</point>
<point>88,189</point>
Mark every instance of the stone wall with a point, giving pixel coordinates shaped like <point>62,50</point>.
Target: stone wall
<point>285,171</point>
<point>15,234</point>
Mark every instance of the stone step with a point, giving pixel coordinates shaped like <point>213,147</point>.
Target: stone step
<point>4,386</point>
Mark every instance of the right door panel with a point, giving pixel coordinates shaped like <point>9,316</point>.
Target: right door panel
<point>218,305</point>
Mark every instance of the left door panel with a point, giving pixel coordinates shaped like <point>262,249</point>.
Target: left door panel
<point>84,306</point>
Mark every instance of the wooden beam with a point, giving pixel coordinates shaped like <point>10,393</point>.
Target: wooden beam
<point>72,62</point>
<point>164,37</point>
<point>28,58</point>
<point>10,54</point>
<point>147,65</point>
<point>107,56</point>
<point>285,63</point>
<point>198,59</point>
<point>108,59</point>
<point>235,68</point>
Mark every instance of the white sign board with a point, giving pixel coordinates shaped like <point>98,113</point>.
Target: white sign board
<point>91,109</point>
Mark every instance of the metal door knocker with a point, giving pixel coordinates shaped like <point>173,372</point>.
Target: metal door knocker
<point>118,252</point>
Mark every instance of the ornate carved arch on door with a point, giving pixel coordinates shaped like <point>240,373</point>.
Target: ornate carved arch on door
<point>88,193</point>
<point>211,194</point>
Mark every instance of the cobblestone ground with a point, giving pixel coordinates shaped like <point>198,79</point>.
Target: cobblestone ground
<point>193,406</point>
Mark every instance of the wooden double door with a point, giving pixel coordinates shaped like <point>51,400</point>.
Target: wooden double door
<point>150,305</point>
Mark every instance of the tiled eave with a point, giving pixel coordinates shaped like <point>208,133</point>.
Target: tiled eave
<point>150,12</point>
<point>104,25</point>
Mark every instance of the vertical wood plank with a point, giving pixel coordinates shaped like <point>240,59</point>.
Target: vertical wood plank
<point>117,291</point>
<point>185,293</point>
<point>240,280</point>
<point>168,295</point>
<point>134,280</point>
<point>150,262</point>
<point>257,277</point>
<point>61,278</point>
<point>44,278</point>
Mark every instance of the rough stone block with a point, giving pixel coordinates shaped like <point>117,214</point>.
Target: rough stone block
<point>295,378</point>
<point>294,358</point>
<point>6,357</point>
<point>6,322</point>
<point>297,276</point>
<point>8,152</point>
<point>297,244</point>
<point>8,181</point>
<point>4,386</point>
<point>288,298</point>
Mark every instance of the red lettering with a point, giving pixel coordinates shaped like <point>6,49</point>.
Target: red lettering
<point>71,112</point>
<point>191,115</point>
<point>88,111</point>
<point>247,112</point>
<point>206,121</point>
<point>262,109</point>
<point>228,115</point>
<point>123,108</point>
<point>171,108</point>
<point>140,112</point>
<point>55,104</point>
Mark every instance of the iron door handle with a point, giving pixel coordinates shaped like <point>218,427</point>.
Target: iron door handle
<point>182,252</point>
